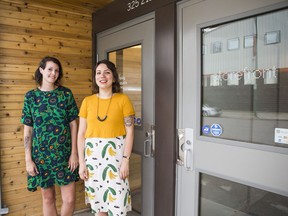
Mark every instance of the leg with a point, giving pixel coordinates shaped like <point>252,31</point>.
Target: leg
<point>68,199</point>
<point>49,201</point>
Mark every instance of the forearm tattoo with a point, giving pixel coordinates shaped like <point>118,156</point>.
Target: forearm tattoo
<point>27,142</point>
<point>129,121</point>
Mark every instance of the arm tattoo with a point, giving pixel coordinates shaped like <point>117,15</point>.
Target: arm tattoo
<point>129,121</point>
<point>27,142</point>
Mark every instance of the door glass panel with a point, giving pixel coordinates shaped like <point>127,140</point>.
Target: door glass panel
<point>128,62</point>
<point>220,197</point>
<point>136,182</point>
<point>245,79</point>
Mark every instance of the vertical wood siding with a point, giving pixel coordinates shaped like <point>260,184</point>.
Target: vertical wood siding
<point>30,30</point>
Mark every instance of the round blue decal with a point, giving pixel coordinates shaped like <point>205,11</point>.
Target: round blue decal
<point>206,129</point>
<point>216,130</point>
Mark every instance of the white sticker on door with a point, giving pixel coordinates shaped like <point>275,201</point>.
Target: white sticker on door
<point>281,135</point>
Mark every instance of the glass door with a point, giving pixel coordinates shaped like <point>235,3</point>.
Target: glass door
<point>131,47</point>
<point>232,108</point>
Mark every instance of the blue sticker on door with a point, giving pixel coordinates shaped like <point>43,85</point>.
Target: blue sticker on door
<point>216,130</point>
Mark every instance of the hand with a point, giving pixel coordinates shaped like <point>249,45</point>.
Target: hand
<point>31,168</point>
<point>124,168</point>
<point>73,162</point>
<point>83,172</point>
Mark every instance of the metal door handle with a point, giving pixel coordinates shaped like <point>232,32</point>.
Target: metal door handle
<point>187,158</point>
<point>185,148</point>
<point>149,143</point>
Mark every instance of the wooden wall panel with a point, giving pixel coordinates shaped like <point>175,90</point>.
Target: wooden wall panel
<point>30,30</point>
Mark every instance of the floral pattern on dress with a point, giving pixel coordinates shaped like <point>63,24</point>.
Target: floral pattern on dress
<point>49,113</point>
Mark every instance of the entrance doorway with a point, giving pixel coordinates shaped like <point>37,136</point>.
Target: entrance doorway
<point>232,108</point>
<point>131,47</point>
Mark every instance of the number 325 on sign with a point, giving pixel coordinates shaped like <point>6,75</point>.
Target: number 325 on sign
<point>136,3</point>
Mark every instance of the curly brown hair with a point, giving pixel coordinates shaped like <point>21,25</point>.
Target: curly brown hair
<point>116,87</point>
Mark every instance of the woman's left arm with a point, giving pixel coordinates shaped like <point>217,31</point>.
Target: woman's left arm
<point>73,160</point>
<point>129,126</point>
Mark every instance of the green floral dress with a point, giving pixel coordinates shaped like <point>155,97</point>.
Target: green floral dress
<point>49,113</point>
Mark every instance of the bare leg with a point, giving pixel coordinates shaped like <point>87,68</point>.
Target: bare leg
<point>49,201</point>
<point>68,199</point>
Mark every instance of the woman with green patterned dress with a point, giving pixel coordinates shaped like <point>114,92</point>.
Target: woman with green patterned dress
<point>105,140</point>
<point>50,135</point>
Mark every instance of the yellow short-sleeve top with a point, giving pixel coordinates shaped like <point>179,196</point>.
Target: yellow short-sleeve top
<point>113,126</point>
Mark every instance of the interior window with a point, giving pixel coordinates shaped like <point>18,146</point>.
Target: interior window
<point>245,79</point>
<point>223,197</point>
<point>128,62</point>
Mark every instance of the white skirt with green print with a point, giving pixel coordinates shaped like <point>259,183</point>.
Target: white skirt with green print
<point>104,189</point>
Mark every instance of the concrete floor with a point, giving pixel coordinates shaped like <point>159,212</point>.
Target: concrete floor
<point>88,213</point>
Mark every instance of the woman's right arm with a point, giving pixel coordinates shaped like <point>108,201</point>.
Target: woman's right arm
<point>83,173</point>
<point>30,165</point>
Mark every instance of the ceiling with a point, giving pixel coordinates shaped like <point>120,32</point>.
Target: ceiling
<point>89,6</point>
<point>80,7</point>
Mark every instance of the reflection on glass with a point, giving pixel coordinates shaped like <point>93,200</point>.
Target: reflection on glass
<point>128,62</point>
<point>220,197</point>
<point>135,180</point>
<point>244,90</point>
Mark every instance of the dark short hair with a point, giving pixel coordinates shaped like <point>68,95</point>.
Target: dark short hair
<point>116,87</point>
<point>42,64</point>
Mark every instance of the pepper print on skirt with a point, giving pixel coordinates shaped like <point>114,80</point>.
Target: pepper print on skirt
<point>104,189</point>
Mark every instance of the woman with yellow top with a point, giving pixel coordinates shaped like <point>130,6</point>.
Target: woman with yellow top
<point>105,140</point>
